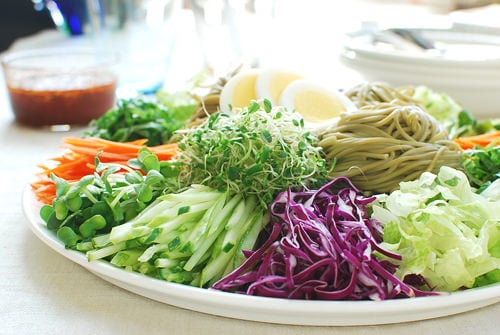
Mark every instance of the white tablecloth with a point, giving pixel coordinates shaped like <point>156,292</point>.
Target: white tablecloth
<point>42,292</point>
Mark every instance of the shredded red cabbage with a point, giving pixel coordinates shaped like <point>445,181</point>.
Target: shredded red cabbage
<point>320,247</point>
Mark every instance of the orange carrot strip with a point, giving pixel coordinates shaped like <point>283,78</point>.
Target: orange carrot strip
<point>483,140</point>
<point>110,150</point>
<point>104,156</point>
<point>116,147</point>
<point>44,191</point>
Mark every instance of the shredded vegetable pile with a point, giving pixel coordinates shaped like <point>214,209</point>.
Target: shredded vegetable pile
<point>193,237</point>
<point>141,119</point>
<point>321,247</point>
<point>259,150</point>
<point>112,195</point>
<point>443,230</point>
<point>82,156</point>
<point>482,165</point>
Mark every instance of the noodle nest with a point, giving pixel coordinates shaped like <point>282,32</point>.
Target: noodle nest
<point>373,93</point>
<point>383,144</point>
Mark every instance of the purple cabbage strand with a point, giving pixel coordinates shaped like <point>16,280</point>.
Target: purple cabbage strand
<point>320,247</point>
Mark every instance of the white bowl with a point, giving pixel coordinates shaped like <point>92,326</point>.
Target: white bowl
<point>471,78</point>
<point>412,74</point>
<point>454,48</point>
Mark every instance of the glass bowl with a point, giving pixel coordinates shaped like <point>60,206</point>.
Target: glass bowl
<point>60,87</point>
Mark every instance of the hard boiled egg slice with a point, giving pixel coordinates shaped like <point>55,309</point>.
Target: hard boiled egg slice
<point>239,91</point>
<point>271,83</point>
<point>315,102</point>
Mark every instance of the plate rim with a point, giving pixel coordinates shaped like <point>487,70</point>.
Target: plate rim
<point>264,309</point>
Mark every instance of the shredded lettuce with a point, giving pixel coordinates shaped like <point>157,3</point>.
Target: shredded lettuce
<point>443,230</point>
<point>443,107</point>
<point>451,114</point>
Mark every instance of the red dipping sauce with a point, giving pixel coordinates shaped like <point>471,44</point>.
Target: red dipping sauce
<point>43,92</point>
<point>36,105</point>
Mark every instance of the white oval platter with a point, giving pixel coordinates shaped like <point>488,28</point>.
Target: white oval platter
<point>271,310</point>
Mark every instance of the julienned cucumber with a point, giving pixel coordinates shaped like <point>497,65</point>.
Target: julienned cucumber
<point>194,237</point>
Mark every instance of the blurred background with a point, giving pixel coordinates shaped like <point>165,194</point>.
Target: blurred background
<point>170,47</point>
<point>20,18</point>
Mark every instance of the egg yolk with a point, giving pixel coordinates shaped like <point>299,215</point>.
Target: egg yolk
<point>279,82</point>
<point>315,106</point>
<point>244,91</point>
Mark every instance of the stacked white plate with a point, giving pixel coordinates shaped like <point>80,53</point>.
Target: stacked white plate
<point>464,64</point>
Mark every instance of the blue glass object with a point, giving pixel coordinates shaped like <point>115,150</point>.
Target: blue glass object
<point>69,16</point>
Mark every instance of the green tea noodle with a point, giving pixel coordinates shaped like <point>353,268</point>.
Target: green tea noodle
<point>376,92</point>
<point>381,145</point>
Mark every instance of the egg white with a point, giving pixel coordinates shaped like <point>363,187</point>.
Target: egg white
<point>271,83</point>
<point>316,103</point>
<point>239,91</point>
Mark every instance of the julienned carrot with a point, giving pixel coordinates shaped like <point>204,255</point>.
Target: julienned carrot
<point>97,142</point>
<point>79,160</point>
<point>44,189</point>
<point>101,144</point>
<point>482,140</point>
<point>118,150</point>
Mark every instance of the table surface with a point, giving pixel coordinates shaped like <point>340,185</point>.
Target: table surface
<point>44,293</point>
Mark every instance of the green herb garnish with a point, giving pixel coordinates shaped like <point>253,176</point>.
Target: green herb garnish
<point>137,119</point>
<point>482,165</point>
<point>259,150</point>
